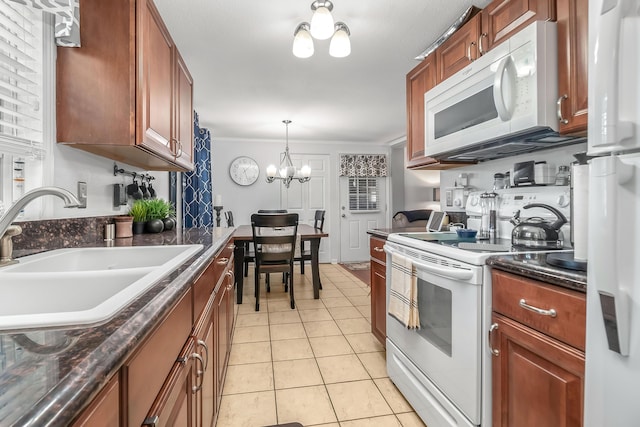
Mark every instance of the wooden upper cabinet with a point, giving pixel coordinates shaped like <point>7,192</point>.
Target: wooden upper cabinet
<point>419,80</point>
<point>502,18</point>
<point>125,94</point>
<point>459,50</point>
<point>573,59</point>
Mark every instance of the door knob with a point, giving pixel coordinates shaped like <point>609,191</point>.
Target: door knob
<point>344,216</point>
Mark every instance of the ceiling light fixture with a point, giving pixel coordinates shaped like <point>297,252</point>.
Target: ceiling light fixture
<point>322,27</point>
<point>287,171</point>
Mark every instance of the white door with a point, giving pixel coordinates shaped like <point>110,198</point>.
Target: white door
<point>305,199</point>
<point>363,206</point>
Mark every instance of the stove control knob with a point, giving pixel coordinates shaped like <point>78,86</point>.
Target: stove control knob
<point>563,200</point>
<point>457,202</point>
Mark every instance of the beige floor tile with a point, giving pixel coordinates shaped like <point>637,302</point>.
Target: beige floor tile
<point>344,312</point>
<point>355,292</point>
<point>287,331</point>
<point>306,405</point>
<point>296,373</point>
<point>253,352</point>
<point>360,300</point>
<point>251,334</point>
<point>353,326</point>
<point>258,319</point>
<point>365,310</point>
<point>330,346</point>
<point>248,305</point>
<point>291,349</point>
<point>392,395</point>
<point>322,329</point>
<point>337,302</point>
<point>357,399</point>
<point>316,315</point>
<point>248,410</point>
<point>309,304</point>
<point>279,305</point>
<point>331,293</point>
<point>386,421</point>
<point>410,419</point>
<point>282,317</point>
<point>375,363</point>
<point>343,368</point>
<point>327,425</point>
<point>364,343</point>
<point>248,378</point>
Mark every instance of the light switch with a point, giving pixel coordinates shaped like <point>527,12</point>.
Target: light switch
<point>82,194</point>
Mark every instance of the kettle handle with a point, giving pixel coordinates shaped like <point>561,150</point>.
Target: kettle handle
<point>561,218</point>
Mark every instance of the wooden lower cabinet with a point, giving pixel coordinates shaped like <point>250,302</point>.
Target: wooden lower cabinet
<point>378,289</point>
<point>537,380</point>
<point>104,411</point>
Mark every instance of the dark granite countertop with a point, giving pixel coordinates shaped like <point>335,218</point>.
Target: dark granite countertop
<point>534,266</point>
<point>48,376</point>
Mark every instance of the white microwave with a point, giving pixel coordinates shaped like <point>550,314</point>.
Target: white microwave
<point>500,105</point>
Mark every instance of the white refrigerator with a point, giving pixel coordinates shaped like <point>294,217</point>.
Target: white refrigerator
<point>612,379</point>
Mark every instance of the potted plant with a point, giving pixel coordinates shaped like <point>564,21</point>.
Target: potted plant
<point>170,220</point>
<point>157,210</point>
<point>139,213</point>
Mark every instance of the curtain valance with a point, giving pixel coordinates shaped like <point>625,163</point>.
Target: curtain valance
<point>363,165</point>
<point>67,14</point>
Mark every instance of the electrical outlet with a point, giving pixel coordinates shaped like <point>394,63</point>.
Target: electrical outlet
<point>82,194</point>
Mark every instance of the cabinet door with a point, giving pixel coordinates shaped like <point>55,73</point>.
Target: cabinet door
<point>537,381</point>
<point>231,302</point>
<point>459,50</point>
<point>573,59</point>
<point>222,336</point>
<point>104,410</point>
<point>183,114</point>
<point>174,405</point>
<point>502,18</point>
<point>205,400</point>
<point>419,80</point>
<point>155,81</point>
<point>379,301</point>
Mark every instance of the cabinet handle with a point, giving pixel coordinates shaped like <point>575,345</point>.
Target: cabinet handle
<point>378,249</point>
<point>493,351</point>
<point>179,151</point>
<point>559,104</point>
<point>173,144</point>
<point>469,51</point>
<point>223,260</point>
<point>551,312</point>
<point>480,47</point>
<point>197,388</point>
<point>232,279</point>
<point>206,353</point>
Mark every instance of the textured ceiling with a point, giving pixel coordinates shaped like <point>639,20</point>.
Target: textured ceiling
<point>247,80</point>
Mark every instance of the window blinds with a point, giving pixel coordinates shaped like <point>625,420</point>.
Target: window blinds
<point>21,70</point>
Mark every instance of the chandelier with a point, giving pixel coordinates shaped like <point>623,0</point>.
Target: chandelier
<point>287,171</point>
<point>321,28</point>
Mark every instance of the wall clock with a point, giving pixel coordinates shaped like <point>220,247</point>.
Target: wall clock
<point>244,170</point>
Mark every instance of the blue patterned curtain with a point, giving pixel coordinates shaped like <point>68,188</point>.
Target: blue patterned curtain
<point>197,203</point>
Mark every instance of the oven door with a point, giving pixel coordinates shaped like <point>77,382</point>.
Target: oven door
<point>446,348</point>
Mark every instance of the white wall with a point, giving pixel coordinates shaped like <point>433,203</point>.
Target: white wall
<point>245,200</point>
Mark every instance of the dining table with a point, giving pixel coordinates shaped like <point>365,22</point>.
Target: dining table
<point>243,236</point>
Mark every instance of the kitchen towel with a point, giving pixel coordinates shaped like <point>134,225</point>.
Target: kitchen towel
<point>403,293</point>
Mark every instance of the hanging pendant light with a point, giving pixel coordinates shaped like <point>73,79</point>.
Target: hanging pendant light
<point>287,171</point>
<point>322,21</point>
<point>340,44</point>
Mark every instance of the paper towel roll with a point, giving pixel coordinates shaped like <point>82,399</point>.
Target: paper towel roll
<point>580,211</point>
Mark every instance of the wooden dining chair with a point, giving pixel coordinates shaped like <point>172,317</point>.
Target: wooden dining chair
<point>305,250</point>
<point>274,239</point>
<point>248,251</point>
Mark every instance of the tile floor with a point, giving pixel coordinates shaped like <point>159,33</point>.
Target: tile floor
<point>318,364</point>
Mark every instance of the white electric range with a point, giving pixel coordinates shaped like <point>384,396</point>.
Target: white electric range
<point>444,368</point>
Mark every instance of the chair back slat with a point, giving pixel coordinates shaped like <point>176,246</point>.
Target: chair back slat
<point>274,237</point>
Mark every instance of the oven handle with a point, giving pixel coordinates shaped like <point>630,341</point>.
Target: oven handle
<point>440,271</point>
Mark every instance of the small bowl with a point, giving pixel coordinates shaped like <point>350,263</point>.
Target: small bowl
<point>466,233</point>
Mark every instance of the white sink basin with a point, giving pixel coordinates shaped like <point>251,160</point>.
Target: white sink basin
<point>50,293</point>
<point>88,259</point>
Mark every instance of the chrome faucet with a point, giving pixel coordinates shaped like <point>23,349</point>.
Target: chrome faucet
<point>7,231</point>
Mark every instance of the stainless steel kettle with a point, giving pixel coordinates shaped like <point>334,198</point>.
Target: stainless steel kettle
<point>536,232</point>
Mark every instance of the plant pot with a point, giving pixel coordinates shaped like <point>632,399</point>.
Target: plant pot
<point>154,226</point>
<point>123,227</point>
<point>169,223</point>
<point>138,227</point>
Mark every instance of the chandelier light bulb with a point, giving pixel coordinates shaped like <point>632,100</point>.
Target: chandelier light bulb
<point>321,22</point>
<point>340,46</point>
<point>305,171</point>
<point>272,170</point>
<point>302,41</point>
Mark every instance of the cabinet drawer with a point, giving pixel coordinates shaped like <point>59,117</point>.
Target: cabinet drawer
<point>149,367</point>
<point>206,283</point>
<point>376,249</point>
<point>568,325</point>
